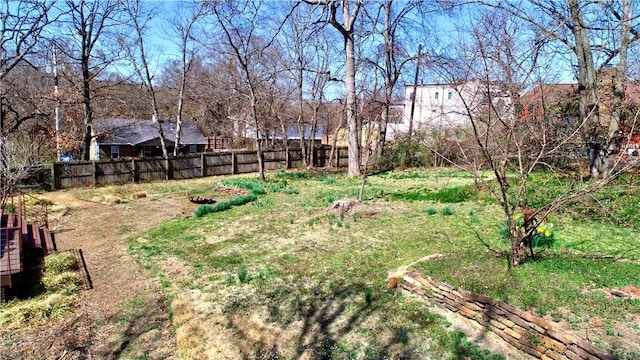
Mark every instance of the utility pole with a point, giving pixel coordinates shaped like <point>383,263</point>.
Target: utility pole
<point>414,95</point>
<point>415,88</point>
<point>57,109</point>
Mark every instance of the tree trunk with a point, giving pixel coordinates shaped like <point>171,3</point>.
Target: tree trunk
<point>183,80</point>
<point>587,86</point>
<point>256,124</point>
<point>352,120</point>
<point>303,148</point>
<point>86,106</point>
<point>618,112</point>
<point>389,81</point>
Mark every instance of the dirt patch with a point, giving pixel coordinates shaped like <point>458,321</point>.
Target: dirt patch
<point>125,314</point>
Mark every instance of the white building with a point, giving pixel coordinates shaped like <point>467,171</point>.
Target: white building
<point>441,106</point>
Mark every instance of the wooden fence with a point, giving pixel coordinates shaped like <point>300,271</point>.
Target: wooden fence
<point>120,171</point>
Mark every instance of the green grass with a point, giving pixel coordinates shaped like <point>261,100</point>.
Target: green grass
<point>288,261</point>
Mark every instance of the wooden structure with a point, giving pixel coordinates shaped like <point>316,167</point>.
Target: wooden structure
<point>75,174</point>
<point>16,238</point>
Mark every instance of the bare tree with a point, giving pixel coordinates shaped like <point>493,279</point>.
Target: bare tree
<point>596,32</point>
<point>241,22</point>
<point>309,51</point>
<point>135,47</point>
<point>489,74</point>
<point>393,16</point>
<point>22,27</point>
<point>184,26</point>
<point>89,23</point>
<point>346,27</point>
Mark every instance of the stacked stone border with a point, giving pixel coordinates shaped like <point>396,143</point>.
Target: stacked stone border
<point>520,329</point>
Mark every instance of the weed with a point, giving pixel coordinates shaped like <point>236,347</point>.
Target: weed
<point>464,349</point>
<point>263,203</point>
<point>368,296</point>
<point>313,221</point>
<point>254,187</point>
<point>609,329</point>
<point>446,195</point>
<point>231,280</point>
<point>432,211</point>
<point>446,211</point>
<point>329,180</point>
<point>243,275</point>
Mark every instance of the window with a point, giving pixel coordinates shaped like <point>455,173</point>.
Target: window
<point>147,151</point>
<point>449,95</point>
<point>193,149</point>
<point>436,96</point>
<point>115,151</point>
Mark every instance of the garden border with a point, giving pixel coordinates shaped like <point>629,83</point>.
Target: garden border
<point>520,329</point>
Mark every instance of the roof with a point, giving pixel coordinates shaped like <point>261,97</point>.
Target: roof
<point>135,132</point>
<point>551,92</point>
<point>294,134</point>
<point>563,92</point>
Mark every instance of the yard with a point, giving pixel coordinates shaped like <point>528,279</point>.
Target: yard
<point>283,277</point>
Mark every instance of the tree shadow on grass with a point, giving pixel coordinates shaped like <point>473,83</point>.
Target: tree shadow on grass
<point>327,321</point>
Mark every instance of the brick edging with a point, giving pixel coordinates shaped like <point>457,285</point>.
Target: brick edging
<point>522,330</point>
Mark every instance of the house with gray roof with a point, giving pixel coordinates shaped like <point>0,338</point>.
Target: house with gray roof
<point>119,137</point>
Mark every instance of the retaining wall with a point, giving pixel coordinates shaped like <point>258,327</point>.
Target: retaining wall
<point>520,329</point>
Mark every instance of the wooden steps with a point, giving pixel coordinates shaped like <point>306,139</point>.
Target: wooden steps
<point>16,235</point>
<point>40,239</point>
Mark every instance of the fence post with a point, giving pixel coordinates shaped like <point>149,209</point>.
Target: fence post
<point>203,165</point>
<point>134,171</point>
<point>169,174</point>
<point>95,173</point>
<point>54,175</point>
<point>288,158</point>
<point>234,161</point>
<point>314,157</point>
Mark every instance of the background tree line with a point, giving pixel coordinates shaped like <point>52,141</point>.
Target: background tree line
<point>249,69</point>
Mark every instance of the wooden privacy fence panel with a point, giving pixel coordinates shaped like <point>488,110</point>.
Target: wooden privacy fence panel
<point>73,174</point>
<point>112,172</point>
<point>246,162</point>
<point>121,171</point>
<point>187,167</point>
<point>219,164</point>
<point>149,170</point>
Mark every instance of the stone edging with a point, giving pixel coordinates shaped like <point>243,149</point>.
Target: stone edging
<point>522,330</point>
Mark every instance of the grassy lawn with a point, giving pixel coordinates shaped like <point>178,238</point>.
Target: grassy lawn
<point>281,277</point>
